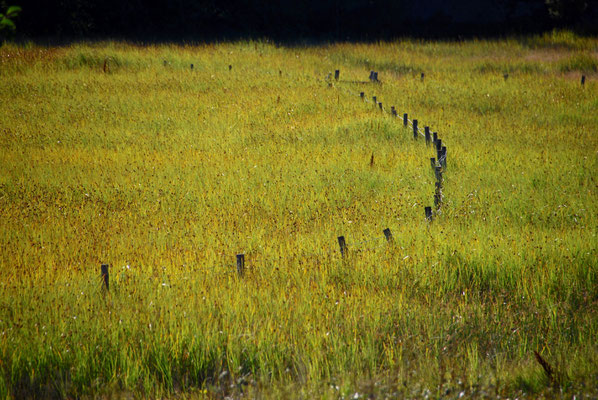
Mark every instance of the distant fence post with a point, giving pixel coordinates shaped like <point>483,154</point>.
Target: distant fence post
<point>405,119</point>
<point>191,66</point>
<point>428,211</point>
<point>388,234</point>
<point>240,264</point>
<point>372,76</point>
<point>583,80</point>
<point>393,111</point>
<point>375,99</point>
<point>375,76</point>
<point>362,95</point>
<point>380,105</point>
<point>422,76</point>
<point>105,276</point>
<point>427,132</point>
<point>337,74</point>
<point>343,245</point>
<point>415,132</point>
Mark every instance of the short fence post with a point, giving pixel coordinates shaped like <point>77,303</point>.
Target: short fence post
<point>434,137</point>
<point>372,76</point>
<point>437,199</point>
<point>230,67</point>
<point>583,80</point>
<point>427,131</point>
<point>438,171</point>
<point>422,77</point>
<point>375,76</point>
<point>240,264</point>
<point>428,211</point>
<point>343,245</point>
<point>105,276</point>
<point>405,119</point>
<point>415,132</point>
<point>443,158</point>
<point>362,95</point>
<point>438,145</point>
<point>388,235</point>
<point>433,162</point>
<point>380,105</point>
<point>336,74</point>
<point>375,100</point>
<point>191,66</point>
<point>393,111</point>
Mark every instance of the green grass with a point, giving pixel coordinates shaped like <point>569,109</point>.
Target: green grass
<point>167,173</point>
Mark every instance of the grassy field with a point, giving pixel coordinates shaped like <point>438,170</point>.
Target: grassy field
<point>122,154</point>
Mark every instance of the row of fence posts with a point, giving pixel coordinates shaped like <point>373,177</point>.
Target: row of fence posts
<point>105,268</point>
<point>438,163</point>
<point>437,166</point>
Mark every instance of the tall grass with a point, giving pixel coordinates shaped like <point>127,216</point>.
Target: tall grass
<point>166,173</point>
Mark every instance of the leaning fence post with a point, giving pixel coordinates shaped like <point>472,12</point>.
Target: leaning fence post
<point>415,129</point>
<point>105,276</point>
<point>240,264</point>
<point>343,245</point>
<point>336,74</point>
<point>428,211</point>
<point>405,119</point>
<point>387,234</point>
<point>427,131</point>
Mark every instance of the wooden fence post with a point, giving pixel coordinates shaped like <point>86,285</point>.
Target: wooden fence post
<point>337,74</point>
<point>362,95</point>
<point>375,99</point>
<point>415,132</point>
<point>438,171</point>
<point>240,264</point>
<point>428,211</point>
<point>433,163</point>
<point>191,66</point>
<point>388,235</point>
<point>583,80</point>
<point>380,105</point>
<point>422,77</point>
<point>427,132</point>
<point>437,199</point>
<point>375,76</point>
<point>343,245</point>
<point>438,145</point>
<point>443,158</point>
<point>230,67</point>
<point>405,119</point>
<point>393,111</point>
<point>371,76</point>
<point>105,276</point>
<point>434,138</point>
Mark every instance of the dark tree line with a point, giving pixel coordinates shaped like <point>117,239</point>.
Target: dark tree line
<point>298,19</point>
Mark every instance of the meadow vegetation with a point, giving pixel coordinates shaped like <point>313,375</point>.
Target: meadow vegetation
<point>122,154</point>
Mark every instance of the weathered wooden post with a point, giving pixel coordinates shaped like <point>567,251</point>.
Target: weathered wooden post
<point>362,95</point>
<point>371,76</point>
<point>388,235</point>
<point>230,67</point>
<point>105,276</point>
<point>443,158</point>
<point>433,162</point>
<point>375,99</point>
<point>343,245</point>
<point>422,77</point>
<point>428,211</point>
<point>415,131</point>
<point>337,74</point>
<point>427,132</point>
<point>438,172</point>
<point>583,80</point>
<point>380,105</point>
<point>393,111</point>
<point>405,119</point>
<point>240,264</point>
<point>434,138</point>
<point>192,67</point>
<point>375,76</point>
